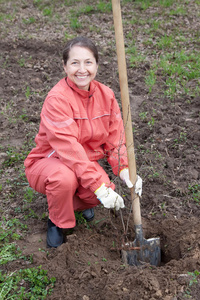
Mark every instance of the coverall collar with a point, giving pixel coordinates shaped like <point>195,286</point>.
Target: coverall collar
<point>83,93</point>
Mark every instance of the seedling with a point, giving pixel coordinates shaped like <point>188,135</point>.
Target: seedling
<point>71,2</point>
<point>47,11</point>
<point>144,4</point>
<point>150,80</point>
<point>166,3</point>
<point>41,250</point>
<point>28,92</point>
<point>79,218</point>
<point>21,62</point>
<point>166,42</point>
<point>31,214</point>
<point>151,122</point>
<point>143,115</point>
<point>194,190</point>
<point>179,11</point>
<point>181,139</point>
<point>195,276</point>
<point>74,23</point>
<point>193,281</point>
<point>29,194</point>
<point>104,7</point>
<point>13,157</point>
<point>30,20</point>
<point>85,10</point>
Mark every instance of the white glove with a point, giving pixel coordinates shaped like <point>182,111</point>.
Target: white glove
<point>138,186</point>
<point>124,175</point>
<point>109,198</point>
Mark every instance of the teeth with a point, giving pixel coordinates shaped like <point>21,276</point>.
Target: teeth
<point>81,77</point>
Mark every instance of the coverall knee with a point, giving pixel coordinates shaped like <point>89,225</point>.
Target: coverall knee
<point>51,177</point>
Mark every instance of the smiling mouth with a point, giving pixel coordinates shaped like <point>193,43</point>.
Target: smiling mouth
<point>81,76</point>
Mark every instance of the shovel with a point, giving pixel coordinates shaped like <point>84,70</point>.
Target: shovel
<point>141,250</point>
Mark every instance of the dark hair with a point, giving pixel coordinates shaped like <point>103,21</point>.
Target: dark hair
<point>82,42</point>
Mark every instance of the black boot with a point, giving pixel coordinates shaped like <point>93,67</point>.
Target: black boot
<point>54,235</point>
<point>88,214</point>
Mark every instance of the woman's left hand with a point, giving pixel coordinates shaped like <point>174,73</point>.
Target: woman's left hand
<point>124,175</point>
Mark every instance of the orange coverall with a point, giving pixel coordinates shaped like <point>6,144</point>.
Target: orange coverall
<point>77,129</point>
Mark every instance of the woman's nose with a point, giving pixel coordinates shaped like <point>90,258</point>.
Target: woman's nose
<point>82,67</point>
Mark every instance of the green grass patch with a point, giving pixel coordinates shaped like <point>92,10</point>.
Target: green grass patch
<point>166,3</point>
<point>179,68</point>
<point>9,252</point>
<point>32,283</point>
<point>150,79</point>
<point>11,230</point>
<point>178,11</point>
<point>30,20</point>
<point>166,42</point>
<point>47,11</point>
<point>144,4</point>
<point>87,9</point>
<point>74,23</point>
<point>4,17</point>
<point>79,218</point>
<point>71,2</point>
<point>15,156</point>
<point>173,53</point>
<point>135,58</point>
<point>194,192</point>
<point>104,7</point>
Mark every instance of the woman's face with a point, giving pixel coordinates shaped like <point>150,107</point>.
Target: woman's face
<point>81,67</point>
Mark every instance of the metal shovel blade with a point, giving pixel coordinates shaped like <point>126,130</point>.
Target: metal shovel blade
<point>142,251</point>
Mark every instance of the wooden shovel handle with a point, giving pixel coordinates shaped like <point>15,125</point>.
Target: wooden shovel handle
<point>126,109</point>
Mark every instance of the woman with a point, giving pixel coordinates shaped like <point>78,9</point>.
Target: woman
<point>80,124</point>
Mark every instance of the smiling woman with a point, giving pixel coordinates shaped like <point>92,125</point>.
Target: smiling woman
<point>80,124</point>
<point>81,67</point>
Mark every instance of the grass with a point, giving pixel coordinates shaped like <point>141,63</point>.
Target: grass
<point>194,192</point>
<point>74,23</point>
<point>165,49</point>
<point>31,283</point>
<point>14,156</point>
<point>30,20</point>
<point>47,11</point>
<point>9,252</point>
<point>101,7</point>
<point>179,68</point>
<point>11,229</point>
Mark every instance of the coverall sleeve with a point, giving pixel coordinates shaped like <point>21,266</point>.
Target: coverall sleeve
<point>115,146</point>
<point>62,134</point>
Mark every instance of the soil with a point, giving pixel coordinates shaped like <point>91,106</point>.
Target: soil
<point>88,265</point>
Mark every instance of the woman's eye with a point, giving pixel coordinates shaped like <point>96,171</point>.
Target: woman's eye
<point>74,63</point>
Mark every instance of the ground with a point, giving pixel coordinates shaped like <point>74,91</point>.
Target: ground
<point>166,138</point>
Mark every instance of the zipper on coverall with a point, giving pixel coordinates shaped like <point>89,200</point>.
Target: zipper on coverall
<point>89,118</point>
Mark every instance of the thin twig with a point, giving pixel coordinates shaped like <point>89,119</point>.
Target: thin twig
<point>122,220</point>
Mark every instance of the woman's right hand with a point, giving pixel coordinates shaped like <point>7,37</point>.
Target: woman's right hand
<point>109,198</point>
